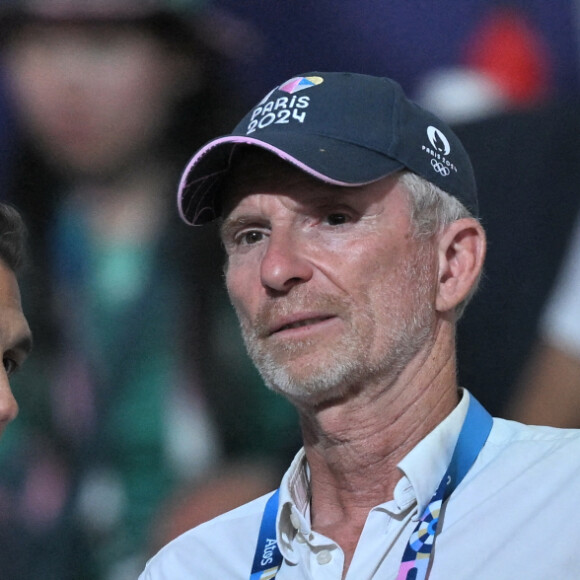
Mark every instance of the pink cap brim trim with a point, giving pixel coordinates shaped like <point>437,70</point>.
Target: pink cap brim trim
<point>250,141</point>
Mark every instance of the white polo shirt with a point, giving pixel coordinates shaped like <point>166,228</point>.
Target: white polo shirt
<point>513,516</point>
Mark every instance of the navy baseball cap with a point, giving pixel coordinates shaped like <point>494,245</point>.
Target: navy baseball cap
<point>345,129</point>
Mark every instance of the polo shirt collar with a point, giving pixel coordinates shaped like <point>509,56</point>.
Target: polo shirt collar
<point>425,465</point>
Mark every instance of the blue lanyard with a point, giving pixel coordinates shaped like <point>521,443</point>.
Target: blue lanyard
<point>267,559</point>
<point>416,560</point>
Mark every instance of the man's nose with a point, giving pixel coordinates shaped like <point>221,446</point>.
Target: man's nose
<point>8,404</point>
<point>284,263</point>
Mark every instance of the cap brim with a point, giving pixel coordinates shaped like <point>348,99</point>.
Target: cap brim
<point>327,159</point>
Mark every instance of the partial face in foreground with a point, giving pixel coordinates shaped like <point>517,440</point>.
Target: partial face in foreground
<point>15,341</point>
<point>331,289</point>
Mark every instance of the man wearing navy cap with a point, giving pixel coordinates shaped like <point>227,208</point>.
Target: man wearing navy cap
<point>349,216</point>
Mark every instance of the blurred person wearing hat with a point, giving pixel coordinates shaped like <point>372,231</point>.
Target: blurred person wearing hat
<point>349,218</point>
<point>130,320</point>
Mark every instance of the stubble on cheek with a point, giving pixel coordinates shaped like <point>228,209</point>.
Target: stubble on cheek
<point>300,368</point>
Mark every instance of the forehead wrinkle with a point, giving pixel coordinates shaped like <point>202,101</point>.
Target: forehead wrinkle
<point>304,193</point>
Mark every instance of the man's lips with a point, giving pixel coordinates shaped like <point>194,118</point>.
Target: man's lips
<point>291,324</point>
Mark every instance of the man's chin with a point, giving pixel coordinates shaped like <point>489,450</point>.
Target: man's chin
<point>315,387</point>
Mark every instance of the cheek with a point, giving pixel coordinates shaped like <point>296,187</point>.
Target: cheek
<point>372,267</point>
<point>349,264</point>
<point>243,294</point>
<point>387,281</point>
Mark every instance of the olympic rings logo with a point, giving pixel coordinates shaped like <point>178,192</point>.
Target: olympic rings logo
<point>440,168</point>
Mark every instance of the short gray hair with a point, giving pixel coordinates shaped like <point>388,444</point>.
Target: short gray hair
<point>432,209</point>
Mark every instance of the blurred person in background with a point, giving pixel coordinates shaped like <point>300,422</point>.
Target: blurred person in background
<point>138,351</point>
<point>548,392</point>
<point>527,164</point>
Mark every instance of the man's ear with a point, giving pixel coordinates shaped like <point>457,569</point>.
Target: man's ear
<point>461,252</point>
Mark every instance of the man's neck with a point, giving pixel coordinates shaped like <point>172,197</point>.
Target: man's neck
<point>354,446</point>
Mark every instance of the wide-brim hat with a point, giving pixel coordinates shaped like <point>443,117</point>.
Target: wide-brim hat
<point>214,27</point>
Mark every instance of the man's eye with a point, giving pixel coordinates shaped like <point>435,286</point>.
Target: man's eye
<point>250,237</point>
<point>337,219</point>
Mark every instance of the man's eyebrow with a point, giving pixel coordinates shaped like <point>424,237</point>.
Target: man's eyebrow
<point>230,224</point>
<point>227,225</point>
